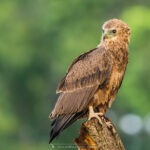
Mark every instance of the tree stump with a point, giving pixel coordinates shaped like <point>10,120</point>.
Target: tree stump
<point>96,136</point>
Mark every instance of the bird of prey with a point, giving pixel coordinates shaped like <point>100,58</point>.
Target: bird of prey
<point>93,79</point>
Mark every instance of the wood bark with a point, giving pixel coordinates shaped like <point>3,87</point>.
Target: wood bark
<point>94,135</point>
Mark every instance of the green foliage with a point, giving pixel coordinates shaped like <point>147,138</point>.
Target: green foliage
<point>38,41</point>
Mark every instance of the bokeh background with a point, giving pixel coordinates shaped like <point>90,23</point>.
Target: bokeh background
<point>38,41</point>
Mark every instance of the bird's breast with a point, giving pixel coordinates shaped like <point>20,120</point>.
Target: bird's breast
<point>114,84</point>
<point>104,97</point>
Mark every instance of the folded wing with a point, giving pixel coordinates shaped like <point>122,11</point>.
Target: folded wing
<point>89,71</point>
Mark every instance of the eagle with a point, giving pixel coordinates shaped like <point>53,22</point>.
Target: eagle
<point>93,79</point>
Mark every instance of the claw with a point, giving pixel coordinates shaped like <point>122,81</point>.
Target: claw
<point>110,125</point>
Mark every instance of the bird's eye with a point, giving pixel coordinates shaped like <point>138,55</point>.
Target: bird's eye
<point>103,30</point>
<point>114,31</point>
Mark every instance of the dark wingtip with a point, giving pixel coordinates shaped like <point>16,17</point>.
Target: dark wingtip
<point>61,123</point>
<point>54,131</point>
<point>53,134</point>
<point>51,139</point>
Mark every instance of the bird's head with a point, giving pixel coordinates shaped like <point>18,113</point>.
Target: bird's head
<point>115,31</point>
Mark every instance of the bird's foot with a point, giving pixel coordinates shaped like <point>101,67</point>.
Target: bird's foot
<point>92,114</point>
<point>110,126</point>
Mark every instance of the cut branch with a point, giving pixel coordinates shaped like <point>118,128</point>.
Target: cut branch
<point>96,136</point>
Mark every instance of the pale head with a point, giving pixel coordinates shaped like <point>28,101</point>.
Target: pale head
<point>115,30</point>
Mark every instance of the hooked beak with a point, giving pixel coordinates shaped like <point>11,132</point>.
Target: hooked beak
<point>106,35</point>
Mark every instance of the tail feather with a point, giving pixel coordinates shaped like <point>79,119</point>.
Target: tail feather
<point>62,122</point>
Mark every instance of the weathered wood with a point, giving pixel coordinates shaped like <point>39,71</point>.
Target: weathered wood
<point>96,136</point>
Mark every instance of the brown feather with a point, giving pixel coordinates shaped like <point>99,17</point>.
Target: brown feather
<point>89,69</point>
<point>73,102</point>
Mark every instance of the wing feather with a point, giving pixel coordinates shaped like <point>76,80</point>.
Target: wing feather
<point>72,102</point>
<point>89,69</point>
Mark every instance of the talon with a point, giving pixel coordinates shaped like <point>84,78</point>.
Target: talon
<point>111,127</point>
<point>109,124</point>
<point>92,114</point>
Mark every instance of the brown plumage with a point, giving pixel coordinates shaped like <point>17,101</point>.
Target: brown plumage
<point>93,79</point>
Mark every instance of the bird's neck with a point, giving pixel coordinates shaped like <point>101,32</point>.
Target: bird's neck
<point>118,50</point>
<point>115,46</point>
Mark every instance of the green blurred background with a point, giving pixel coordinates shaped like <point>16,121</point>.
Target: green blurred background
<point>38,41</point>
